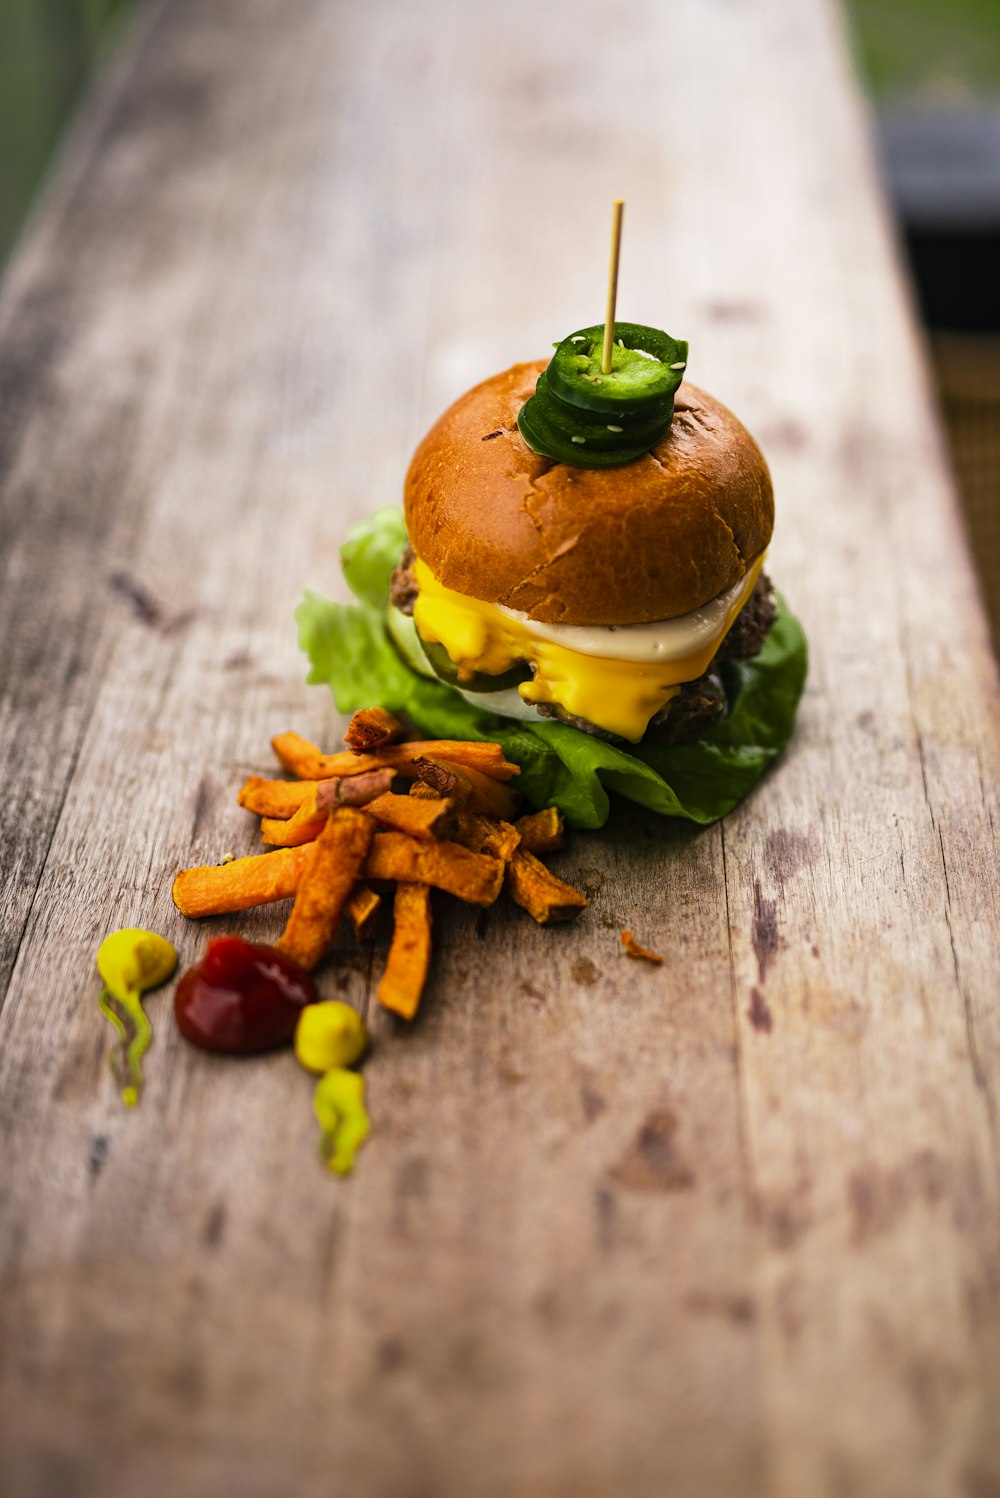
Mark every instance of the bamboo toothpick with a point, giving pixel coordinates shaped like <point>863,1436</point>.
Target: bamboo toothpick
<point>617,210</point>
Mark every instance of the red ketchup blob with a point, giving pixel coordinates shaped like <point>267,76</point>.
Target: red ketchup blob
<point>241,997</point>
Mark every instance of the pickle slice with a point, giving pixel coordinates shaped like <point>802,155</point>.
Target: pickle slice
<point>479,681</point>
<point>433,661</point>
<point>647,366</point>
<point>403,634</point>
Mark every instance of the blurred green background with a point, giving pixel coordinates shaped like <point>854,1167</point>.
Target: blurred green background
<point>933,50</point>
<point>48,49</point>
<point>929,49</point>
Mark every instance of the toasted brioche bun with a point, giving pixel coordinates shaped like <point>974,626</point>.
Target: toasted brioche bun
<point>649,540</point>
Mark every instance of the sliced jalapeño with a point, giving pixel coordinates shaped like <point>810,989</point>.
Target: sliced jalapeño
<point>646,368</point>
<point>581,416</point>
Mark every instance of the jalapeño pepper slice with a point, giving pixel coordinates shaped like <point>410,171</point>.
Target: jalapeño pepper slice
<point>607,431</point>
<point>580,415</point>
<point>646,368</point>
<point>543,436</point>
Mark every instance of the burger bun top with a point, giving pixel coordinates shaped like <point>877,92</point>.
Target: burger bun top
<point>650,540</point>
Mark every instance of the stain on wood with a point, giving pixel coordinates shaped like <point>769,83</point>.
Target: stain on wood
<point>766,937</point>
<point>653,1162</point>
<point>215,1226</point>
<point>97,1155</point>
<point>592,1100</point>
<point>390,1355</point>
<point>142,603</point>
<point>787,852</point>
<point>607,1214</point>
<point>721,310</point>
<point>759,1013</point>
<point>203,804</point>
<point>739,1309</point>
<point>879,1198</point>
<point>532,994</point>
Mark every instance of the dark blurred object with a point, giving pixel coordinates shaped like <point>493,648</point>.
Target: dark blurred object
<point>942,163</point>
<point>934,69</point>
<point>968,376</point>
<point>48,49</point>
<point>943,167</point>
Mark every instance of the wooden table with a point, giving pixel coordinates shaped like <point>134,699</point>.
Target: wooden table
<point>728,1227</point>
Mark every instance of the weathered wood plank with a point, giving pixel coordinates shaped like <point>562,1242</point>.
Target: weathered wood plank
<point>724,1227</point>
<point>66,488</point>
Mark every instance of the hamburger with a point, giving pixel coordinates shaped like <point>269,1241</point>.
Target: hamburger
<point>605,589</point>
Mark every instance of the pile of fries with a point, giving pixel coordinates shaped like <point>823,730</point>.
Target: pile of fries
<point>343,836</point>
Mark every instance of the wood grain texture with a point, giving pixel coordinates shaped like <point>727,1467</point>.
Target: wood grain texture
<point>729,1226</point>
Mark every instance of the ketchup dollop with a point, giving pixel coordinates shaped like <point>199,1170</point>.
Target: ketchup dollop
<point>242,997</point>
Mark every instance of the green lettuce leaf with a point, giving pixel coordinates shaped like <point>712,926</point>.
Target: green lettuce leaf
<point>349,650</point>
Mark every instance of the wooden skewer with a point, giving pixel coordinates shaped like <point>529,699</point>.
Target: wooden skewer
<point>617,210</point>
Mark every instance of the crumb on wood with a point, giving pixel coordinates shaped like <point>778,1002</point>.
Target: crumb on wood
<point>633,949</point>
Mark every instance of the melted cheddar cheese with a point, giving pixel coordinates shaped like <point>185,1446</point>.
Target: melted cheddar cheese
<point>619,693</point>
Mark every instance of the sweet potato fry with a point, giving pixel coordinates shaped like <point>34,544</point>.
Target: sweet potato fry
<point>355,790</point>
<point>633,949</point>
<point>219,889</point>
<point>485,758</point>
<point>410,954</point>
<point>541,831</point>
<point>486,835</point>
<point>309,763</point>
<point>300,757</point>
<point>363,907</point>
<point>471,876</point>
<point>292,833</point>
<point>304,827</point>
<point>372,727</point>
<point>322,797</point>
<point>421,791</point>
<point>424,819</point>
<point>329,874</point>
<point>547,899</point>
<point>273,798</point>
<point>468,787</point>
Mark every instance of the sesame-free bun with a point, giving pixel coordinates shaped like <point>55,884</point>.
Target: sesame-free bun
<point>649,540</point>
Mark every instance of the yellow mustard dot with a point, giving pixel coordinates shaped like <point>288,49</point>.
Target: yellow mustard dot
<point>131,961</point>
<point>329,1035</point>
